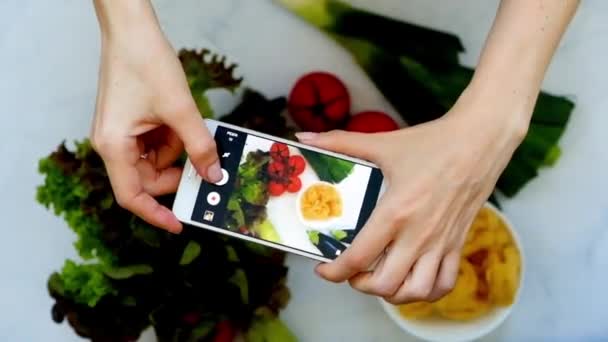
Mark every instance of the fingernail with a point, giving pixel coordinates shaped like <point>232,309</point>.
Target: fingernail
<point>306,136</point>
<point>214,172</point>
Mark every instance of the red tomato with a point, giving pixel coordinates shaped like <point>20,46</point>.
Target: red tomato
<point>279,151</point>
<point>276,189</point>
<point>371,122</point>
<point>191,318</point>
<point>276,169</point>
<point>295,184</point>
<point>224,332</point>
<point>296,165</point>
<point>319,102</point>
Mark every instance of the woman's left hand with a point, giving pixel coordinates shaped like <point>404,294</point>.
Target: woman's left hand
<point>439,176</point>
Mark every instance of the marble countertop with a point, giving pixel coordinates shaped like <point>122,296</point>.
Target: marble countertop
<point>48,70</point>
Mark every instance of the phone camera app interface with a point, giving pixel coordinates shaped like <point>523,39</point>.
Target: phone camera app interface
<point>287,195</point>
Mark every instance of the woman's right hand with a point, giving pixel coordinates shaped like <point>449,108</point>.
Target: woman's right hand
<point>145,114</point>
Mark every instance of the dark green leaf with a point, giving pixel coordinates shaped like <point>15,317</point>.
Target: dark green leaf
<point>129,301</point>
<point>55,284</point>
<point>151,236</point>
<point>232,256</point>
<point>327,168</point>
<point>517,173</point>
<point>239,278</point>
<point>396,37</point>
<point>202,330</point>
<point>125,272</point>
<point>191,252</point>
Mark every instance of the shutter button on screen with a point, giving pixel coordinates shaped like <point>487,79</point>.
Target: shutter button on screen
<point>224,179</point>
<point>213,198</point>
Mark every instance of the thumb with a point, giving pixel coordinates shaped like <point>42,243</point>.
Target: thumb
<point>354,144</point>
<point>199,144</point>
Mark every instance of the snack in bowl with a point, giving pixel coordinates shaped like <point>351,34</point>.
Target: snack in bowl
<point>489,279</point>
<point>320,202</point>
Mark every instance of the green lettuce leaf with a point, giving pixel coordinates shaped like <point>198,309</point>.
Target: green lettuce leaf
<point>234,207</point>
<point>254,192</point>
<point>126,272</point>
<point>268,328</point>
<point>70,179</point>
<point>239,278</point>
<point>191,252</point>
<point>85,283</point>
<point>266,231</point>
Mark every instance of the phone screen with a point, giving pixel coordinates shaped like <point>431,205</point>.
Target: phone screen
<point>287,195</point>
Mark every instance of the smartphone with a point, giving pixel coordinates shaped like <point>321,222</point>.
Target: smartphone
<point>281,194</point>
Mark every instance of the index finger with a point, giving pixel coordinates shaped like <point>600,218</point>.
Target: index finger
<point>369,244</point>
<point>129,191</point>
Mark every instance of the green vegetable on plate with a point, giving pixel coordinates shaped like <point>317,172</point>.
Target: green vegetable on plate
<point>328,168</point>
<point>266,231</point>
<point>344,235</point>
<point>329,246</point>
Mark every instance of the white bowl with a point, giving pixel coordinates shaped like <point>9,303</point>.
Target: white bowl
<point>443,330</point>
<point>315,224</point>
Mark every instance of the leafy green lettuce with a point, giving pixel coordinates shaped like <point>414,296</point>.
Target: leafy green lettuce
<point>85,283</point>
<point>247,203</point>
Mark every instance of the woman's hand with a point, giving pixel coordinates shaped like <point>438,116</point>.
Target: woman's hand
<point>439,176</point>
<point>145,113</point>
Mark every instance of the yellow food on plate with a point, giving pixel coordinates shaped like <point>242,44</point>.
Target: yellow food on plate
<point>488,275</point>
<point>321,202</point>
<point>503,275</point>
<point>416,310</point>
<point>462,302</point>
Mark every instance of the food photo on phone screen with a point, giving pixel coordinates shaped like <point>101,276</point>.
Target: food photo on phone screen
<point>295,197</point>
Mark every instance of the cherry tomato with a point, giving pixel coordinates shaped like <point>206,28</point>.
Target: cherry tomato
<point>276,169</point>
<point>295,184</point>
<point>279,151</point>
<point>296,165</point>
<point>275,188</point>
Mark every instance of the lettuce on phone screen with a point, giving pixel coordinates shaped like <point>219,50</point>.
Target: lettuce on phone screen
<point>287,195</point>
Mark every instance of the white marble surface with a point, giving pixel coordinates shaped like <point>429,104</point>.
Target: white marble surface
<point>48,65</point>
